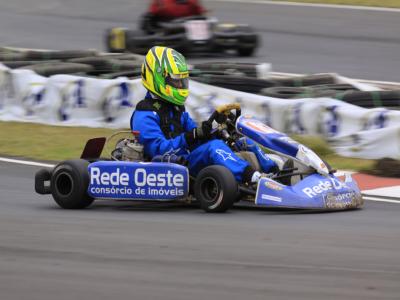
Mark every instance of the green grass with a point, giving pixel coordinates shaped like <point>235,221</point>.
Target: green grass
<point>55,143</point>
<point>45,142</point>
<point>379,3</point>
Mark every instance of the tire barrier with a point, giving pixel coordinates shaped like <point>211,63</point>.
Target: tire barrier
<point>338,87</point>
<point>242,69</point>
<point>344,92</point>
<point>80,62</point>
<point>68,54</point>
<point>243,77</point>
<point>238,83</point>
<point>300,81</point>
<point>386,167</point>
<point>12,56</point>
<point>49,69</point>
<point>372,99</point>
<point>306,92</point>
<point>131,74</point>
<point>21,63</point>
<point>286,92</point>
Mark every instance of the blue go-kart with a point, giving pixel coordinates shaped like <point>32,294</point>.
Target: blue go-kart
<point>305,183</point>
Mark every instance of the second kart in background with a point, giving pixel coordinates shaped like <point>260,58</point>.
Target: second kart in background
<point>183,25</point>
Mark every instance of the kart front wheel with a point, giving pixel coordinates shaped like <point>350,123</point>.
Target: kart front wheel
<point>216,189</point>
<point>69,183</point>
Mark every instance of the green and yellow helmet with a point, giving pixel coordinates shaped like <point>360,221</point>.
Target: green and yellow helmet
<point>165,74</point>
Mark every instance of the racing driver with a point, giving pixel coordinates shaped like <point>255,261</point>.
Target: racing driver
<point>165,127</point>
<point>168,10</point>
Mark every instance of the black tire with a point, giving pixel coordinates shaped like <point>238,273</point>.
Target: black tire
<point>96,62</point>
<point>339,87</point>
<point>130,74</point>
<point>69,183</point>
<point>244,52</point>
<point>125,56</point>
<point>307,80</point>
<point>239,83</point>
<point>49,69</point>
<point>372,99</point>
<point>23,63</point>
<point>285,92</point>
<point>225,68</point>
<point>67,54</point>
<point>248,43</point>
<point>12,56</point>
<point>216,189</point>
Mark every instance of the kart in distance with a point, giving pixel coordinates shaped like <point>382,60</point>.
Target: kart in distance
<point>189,35</point>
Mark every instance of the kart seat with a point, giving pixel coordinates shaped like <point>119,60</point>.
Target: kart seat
<point>251,158</point>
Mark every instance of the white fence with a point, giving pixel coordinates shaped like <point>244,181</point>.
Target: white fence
<point>80,101</point>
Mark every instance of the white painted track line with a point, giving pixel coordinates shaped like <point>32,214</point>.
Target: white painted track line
<point>368,198</point>
<point>26,162</point>
<point>320,5</point>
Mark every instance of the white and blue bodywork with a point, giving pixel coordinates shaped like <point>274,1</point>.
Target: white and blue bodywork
<point>318,190</point>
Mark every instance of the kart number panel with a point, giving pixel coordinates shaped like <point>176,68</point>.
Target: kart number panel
<point>197,30</point>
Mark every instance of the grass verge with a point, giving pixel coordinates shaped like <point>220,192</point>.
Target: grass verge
<point>378,3</point>
<point>55,143</point>
<point>44,142</point>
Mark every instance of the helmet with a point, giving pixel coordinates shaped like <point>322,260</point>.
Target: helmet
<point>165,74</point>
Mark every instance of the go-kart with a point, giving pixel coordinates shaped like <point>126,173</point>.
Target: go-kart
<point>188,35</point>
<point>308,184</point>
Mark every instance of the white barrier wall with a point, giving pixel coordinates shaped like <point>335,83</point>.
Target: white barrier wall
<point>81,101</point>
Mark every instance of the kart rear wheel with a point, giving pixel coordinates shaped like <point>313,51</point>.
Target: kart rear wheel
<point>244,52</point>
<point>69,183</point>
<point>216,189</point>
<point>115,40</point>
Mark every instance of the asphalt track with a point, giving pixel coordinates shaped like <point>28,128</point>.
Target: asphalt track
<point>119,250</point>
<point>355,43</point>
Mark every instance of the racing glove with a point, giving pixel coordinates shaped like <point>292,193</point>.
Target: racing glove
<point>199,134</point>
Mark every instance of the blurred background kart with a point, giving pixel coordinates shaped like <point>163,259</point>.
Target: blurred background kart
<point>190,35</point>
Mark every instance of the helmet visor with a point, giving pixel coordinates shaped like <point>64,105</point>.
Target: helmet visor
<point>177,82</point>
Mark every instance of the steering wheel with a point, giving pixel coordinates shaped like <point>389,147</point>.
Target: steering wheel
<point>226,119</point>
<point>223,113</point>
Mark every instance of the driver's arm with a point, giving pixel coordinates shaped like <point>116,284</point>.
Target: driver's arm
<point>152,137</point>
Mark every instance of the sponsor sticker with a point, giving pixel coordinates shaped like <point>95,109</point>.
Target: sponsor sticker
<point>271,198</point>
<point>324,186</point>
<point>137,182</point>
<point>343,200</point>
<point>273,186</point>
<point>260,127</point>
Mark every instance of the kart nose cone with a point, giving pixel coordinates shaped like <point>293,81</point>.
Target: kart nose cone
<point>313,192</point>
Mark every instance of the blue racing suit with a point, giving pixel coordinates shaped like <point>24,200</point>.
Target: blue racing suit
<point>153,136</point>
